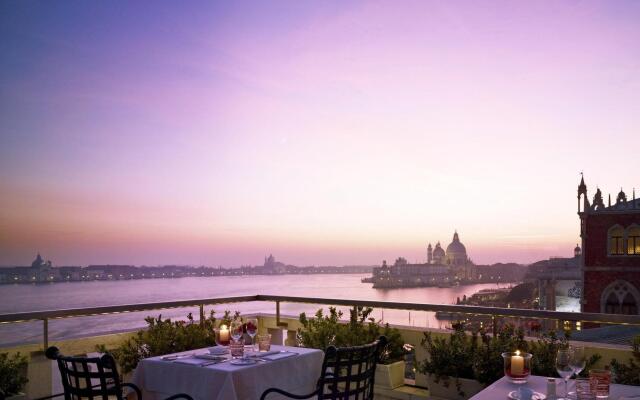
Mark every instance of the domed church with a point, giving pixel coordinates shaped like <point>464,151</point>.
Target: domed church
<point>456,253</point>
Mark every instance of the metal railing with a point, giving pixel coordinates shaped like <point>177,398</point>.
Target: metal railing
<point>493,312</point>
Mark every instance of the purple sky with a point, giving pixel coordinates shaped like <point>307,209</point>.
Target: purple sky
<point>322,132</point>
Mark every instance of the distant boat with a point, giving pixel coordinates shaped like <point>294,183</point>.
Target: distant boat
<point>448,315</point>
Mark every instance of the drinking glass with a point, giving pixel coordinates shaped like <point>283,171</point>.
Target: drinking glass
<point>252,330</point>
<point>236,329</point>
<point>583,389</point>
<point>564,368</point>
<point>600,381</point>
<point>264,342</point>
<point>578,362</point>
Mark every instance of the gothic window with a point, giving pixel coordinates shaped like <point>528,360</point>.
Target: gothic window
<point>612,306</point>
<point>620,297</point>
<point>633,240</point>
<point>616,241</point>
<point>629,305</point>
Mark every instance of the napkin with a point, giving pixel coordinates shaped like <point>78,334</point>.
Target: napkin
<point>263,354</point>
<point>279,355</point>
<point>525,393</point>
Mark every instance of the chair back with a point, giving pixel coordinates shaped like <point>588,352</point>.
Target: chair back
<point>349,372</point>
<point>87,377</point>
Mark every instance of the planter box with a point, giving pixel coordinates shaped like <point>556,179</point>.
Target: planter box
<point>468,386</point>
<point>390,376</point>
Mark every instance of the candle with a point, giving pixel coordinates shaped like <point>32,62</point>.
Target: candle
<point>517,364</point>
<point>224,333</point>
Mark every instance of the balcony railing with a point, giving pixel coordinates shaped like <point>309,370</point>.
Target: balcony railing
<point>493,312</point>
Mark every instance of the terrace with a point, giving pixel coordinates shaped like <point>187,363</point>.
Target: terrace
<point>42,372</point>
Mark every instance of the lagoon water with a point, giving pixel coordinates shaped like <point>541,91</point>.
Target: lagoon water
<point>51,296</point>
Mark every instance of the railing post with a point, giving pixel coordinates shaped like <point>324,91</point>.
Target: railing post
<point>278,322</point>
<point>201,314</point>
<point>45,333</point>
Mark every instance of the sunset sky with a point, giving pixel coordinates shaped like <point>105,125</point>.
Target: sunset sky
<point>328,132</point>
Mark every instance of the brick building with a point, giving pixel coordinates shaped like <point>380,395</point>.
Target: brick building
<point>610,253</point>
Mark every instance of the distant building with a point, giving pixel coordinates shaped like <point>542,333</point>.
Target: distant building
<point>39,271</point>
<point>557,277</point>
<point>610,253</point>
<point>443,268</point>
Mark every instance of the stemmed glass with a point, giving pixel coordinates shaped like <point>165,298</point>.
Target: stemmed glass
<point>236,330</point>
<point>564,368</point>
<point>252,330</point>
<point>578,362</point>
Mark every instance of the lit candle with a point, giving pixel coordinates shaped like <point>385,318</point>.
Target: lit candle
<point>224,333</point>
<point>517,364</point>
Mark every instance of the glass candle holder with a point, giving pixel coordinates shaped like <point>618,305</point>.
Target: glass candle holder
<point>236,348</point>
<point>264,342</point>
<point>223,335</point>
<point>517,366</point>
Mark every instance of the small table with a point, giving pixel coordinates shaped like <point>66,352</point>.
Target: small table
<point>500,389</point>
<point>159,379</point>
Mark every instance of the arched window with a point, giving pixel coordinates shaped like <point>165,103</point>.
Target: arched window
<point>633,240</point>
<point>629,305</point>
<point>616,241</point>
<point>620,297</point>
<point>612,306</point>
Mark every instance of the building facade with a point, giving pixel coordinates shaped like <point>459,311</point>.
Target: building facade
<point>610,252</point>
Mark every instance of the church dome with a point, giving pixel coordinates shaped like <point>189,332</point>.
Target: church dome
<point>438,251</point>
<point>456,252</point>
<point>456,247</point>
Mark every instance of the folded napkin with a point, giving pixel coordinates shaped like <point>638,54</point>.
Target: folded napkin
<point>279,355</point>
<point>262,354</point>
<point>190,361</point>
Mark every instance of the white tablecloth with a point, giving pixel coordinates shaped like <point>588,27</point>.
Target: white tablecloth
<point>501,388</point>
<point>298,374</point>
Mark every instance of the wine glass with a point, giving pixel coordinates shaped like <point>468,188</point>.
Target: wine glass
<point>252,330</point>
<point>578,362</point>
<point>236,330</point>
<point>564,368</point>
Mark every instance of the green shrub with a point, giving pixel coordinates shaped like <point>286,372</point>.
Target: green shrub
<point>479,355</point>
<point>628,373</point>
<point>13,374</point>
<point>450,357</point>
<point>326,330</point>
<point>163,336</point>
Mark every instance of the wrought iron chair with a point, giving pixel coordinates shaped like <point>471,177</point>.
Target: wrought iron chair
<point>347,373</point>
<point>79,374</point>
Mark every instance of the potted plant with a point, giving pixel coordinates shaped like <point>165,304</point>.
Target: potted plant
<point>13,376</point>
<point>326,330</point>
<point>450,364</point>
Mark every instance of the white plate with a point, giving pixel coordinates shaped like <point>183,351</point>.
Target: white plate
<point>515,395</point>
<point>243,361</point>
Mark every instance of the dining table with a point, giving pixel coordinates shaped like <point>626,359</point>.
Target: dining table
<point>501,388</point>
<point>203,377</point>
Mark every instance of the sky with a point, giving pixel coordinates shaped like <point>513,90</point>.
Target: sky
<point>326,133</point>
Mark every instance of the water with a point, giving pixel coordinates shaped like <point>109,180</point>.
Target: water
<point>37,297</point>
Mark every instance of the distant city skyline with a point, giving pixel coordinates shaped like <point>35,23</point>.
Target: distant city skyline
<point>326,133</point>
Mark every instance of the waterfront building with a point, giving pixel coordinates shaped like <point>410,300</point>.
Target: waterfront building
<point>443,268</point>
<point>39,271</point>
<point>610,259</point>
